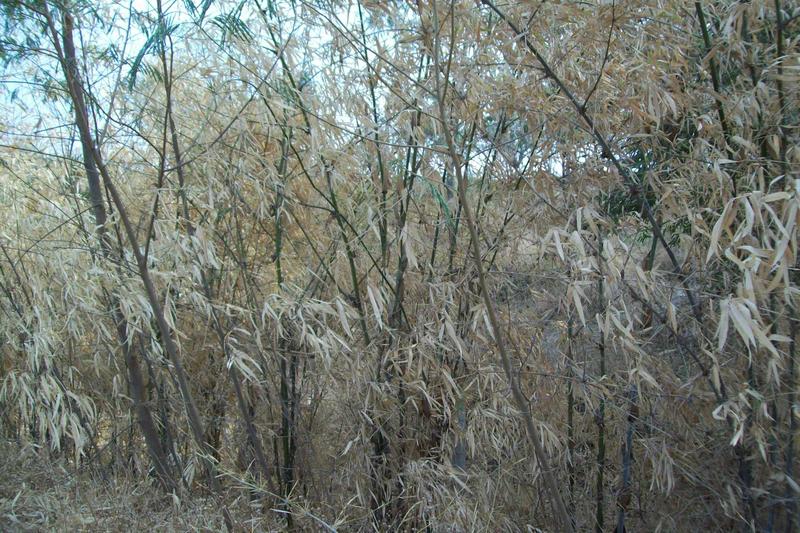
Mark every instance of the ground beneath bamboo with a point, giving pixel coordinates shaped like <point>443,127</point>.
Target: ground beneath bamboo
<point>38,493</point>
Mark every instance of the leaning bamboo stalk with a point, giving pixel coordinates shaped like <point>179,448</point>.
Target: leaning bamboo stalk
<point>195,422</point>
<point>170,346</point>
<point>624,171</point>
<point>534,437</point>
<point>233,373</point>
<point>68,60</point>
<point>715,83</point>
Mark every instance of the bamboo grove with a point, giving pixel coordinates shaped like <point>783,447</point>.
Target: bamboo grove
<point>422,265</point>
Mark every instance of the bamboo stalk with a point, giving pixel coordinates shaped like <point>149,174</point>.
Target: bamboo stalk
<point>623,500</point>
<point>715,82</point>
<point>534,438</point>
<point>600,416</point>
<point>68,60</point>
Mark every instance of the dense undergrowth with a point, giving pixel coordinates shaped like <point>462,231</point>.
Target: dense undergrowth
<point>443,266</point>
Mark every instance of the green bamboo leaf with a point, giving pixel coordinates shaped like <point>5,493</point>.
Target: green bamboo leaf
<point>154,40</point>
<point>442,203</point>
<point>233,27</point>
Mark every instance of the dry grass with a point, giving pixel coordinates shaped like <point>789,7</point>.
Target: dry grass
<point>40,494</point>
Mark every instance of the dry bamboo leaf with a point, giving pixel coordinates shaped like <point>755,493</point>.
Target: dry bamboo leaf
<point>722,223</point>
<point>557,242</point>
<point>576,299</point>
<point>376,310</point>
